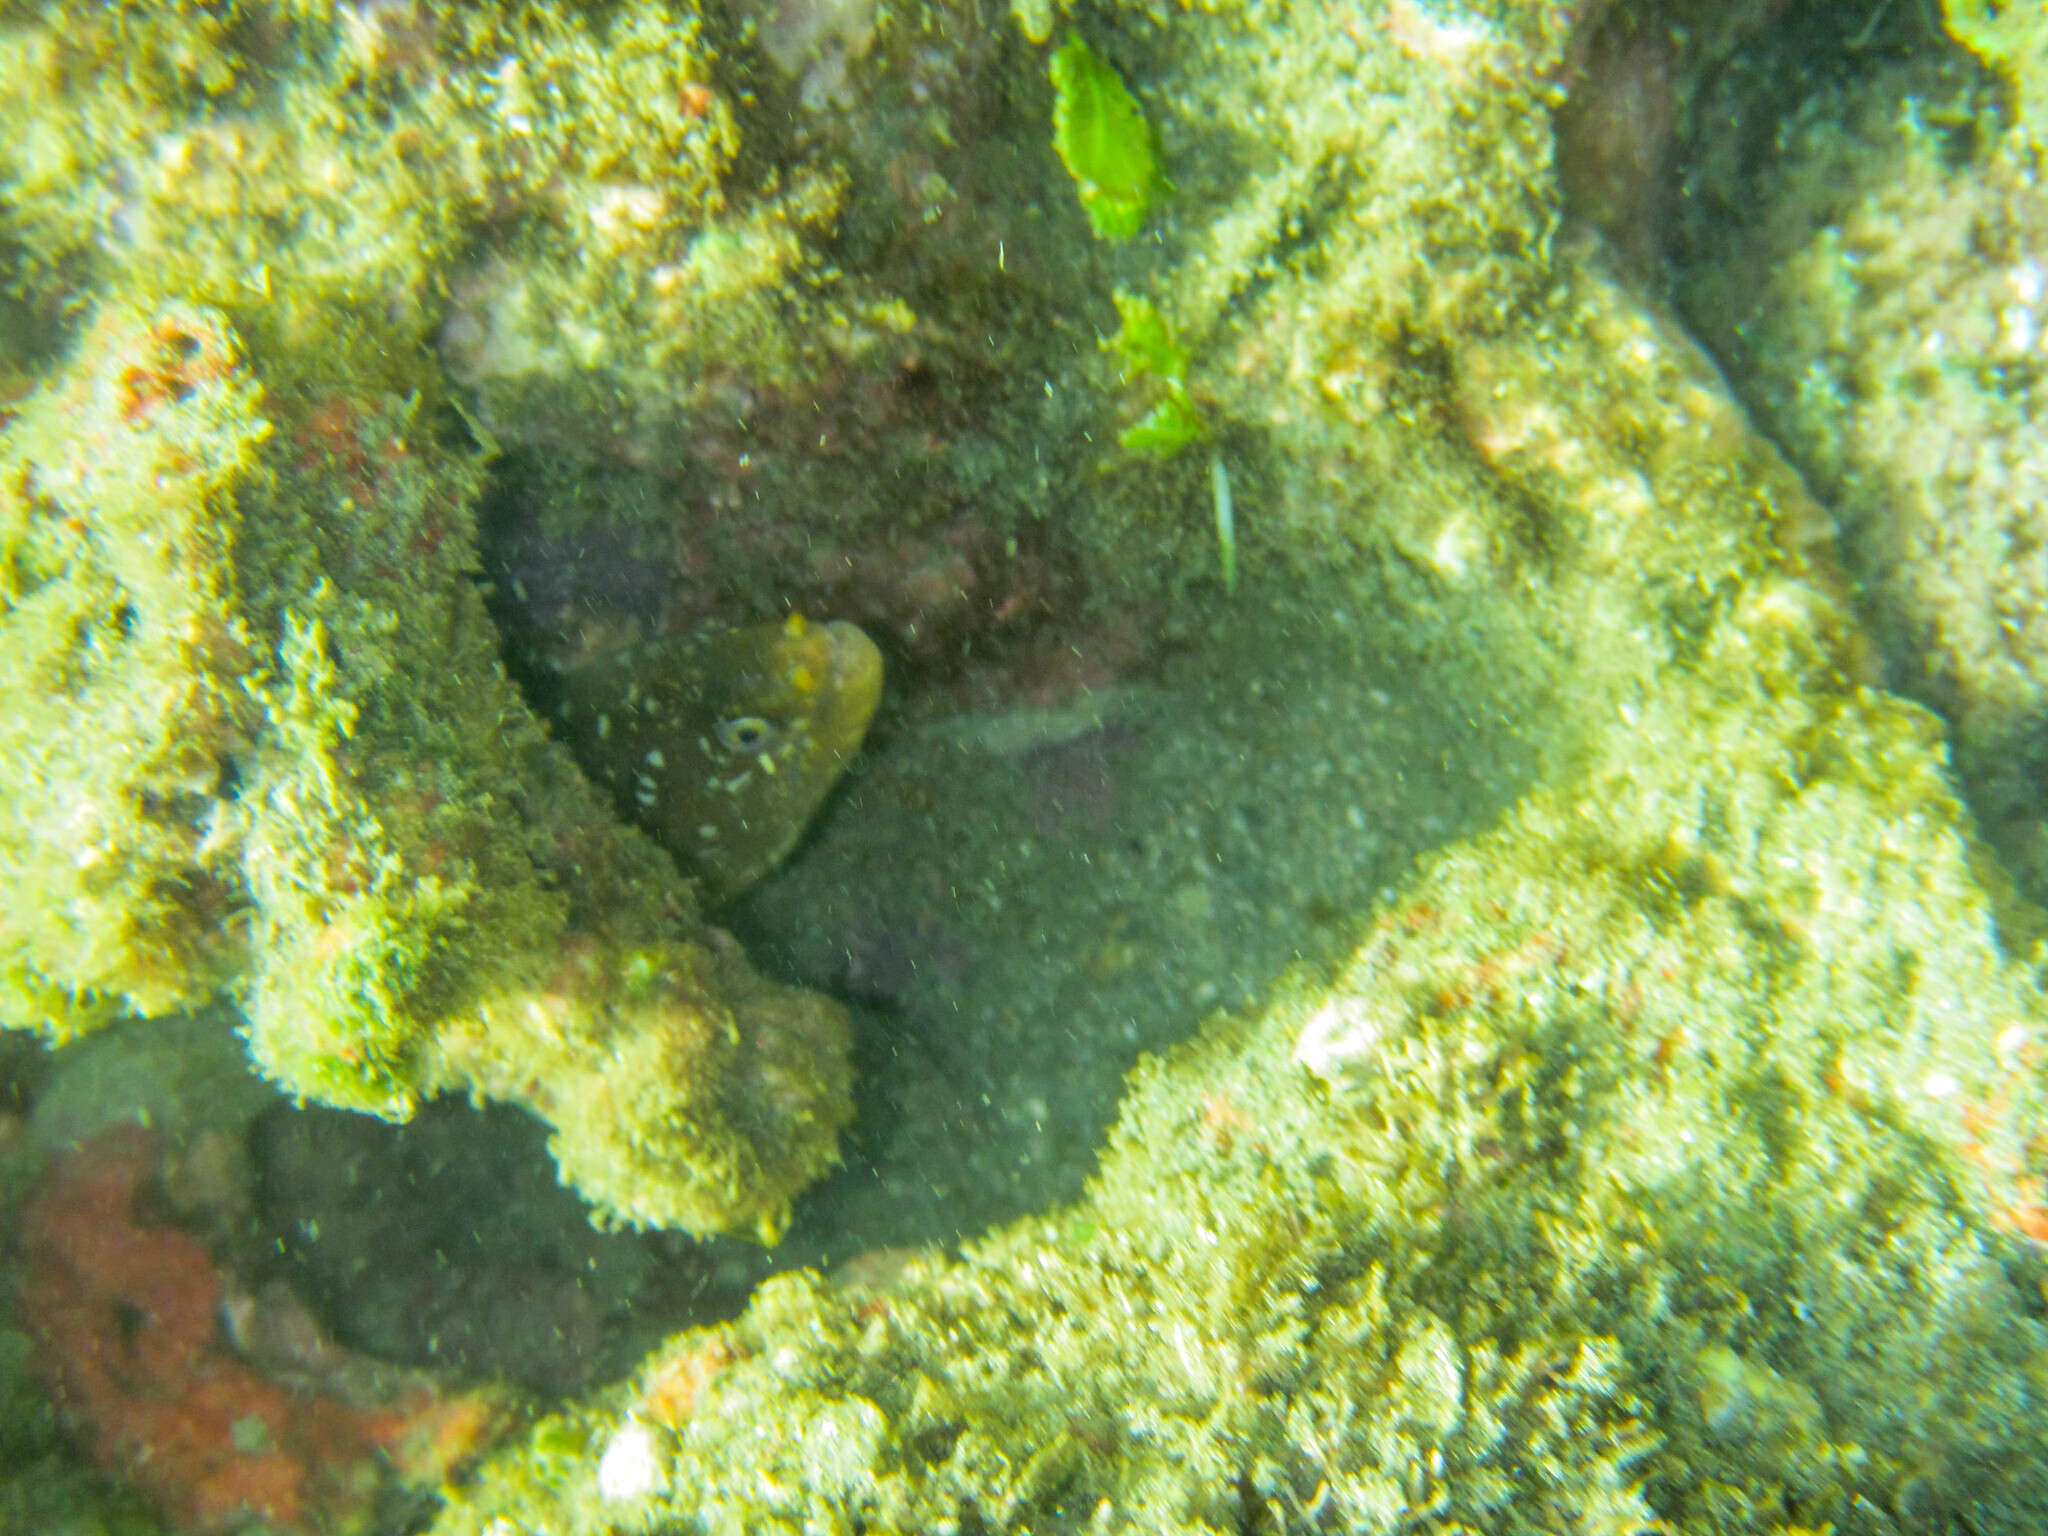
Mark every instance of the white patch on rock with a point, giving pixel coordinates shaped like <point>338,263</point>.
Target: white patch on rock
<point>1339,1032</point>
<point>630,1467</point>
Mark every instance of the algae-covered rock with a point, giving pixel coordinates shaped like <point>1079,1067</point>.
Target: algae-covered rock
<point>1628,1164</point>
<point>265,743</point>
<point>296,272</point>
<point>1629,1172</point>
<point>1634,1163</point>
<point>2013,39</point>
<point>126,671</point>
<point>1875,285</point>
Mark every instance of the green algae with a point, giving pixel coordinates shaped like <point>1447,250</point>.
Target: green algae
<point>1104,140</point>
<point>1145,347</point>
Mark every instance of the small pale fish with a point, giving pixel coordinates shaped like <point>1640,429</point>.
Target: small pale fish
<point>721,746</point>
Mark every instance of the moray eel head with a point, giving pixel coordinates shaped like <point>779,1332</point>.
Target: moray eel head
<point>722,746</point>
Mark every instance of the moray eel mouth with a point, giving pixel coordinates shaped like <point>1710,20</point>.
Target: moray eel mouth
<point>721,746</point>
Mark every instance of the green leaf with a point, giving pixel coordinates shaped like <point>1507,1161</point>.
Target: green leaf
<point>1101,134</point>
<point>1145,341</point>
<point>1165,429</point>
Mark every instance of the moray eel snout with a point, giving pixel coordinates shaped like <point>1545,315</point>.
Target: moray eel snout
<point>722,746</point>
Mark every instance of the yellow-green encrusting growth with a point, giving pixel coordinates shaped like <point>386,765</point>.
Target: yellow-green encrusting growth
<point>315,171</point>
<point>118,599</point>
<point>2013,39</point>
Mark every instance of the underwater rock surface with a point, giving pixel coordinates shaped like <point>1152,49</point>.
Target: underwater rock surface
<point>1657,1083</point>
<point>269,748</point>
<point>1876,283</point>
<point>1575,1198</point>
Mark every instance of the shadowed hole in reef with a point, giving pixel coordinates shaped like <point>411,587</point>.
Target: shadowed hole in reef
<point>447,1243</point>
<point>1807,73</point>
<point>1048,860</point>
<point>1015,902</point>
<point>1677,108</point>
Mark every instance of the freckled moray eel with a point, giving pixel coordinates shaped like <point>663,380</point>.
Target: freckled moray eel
<point>721,746</point>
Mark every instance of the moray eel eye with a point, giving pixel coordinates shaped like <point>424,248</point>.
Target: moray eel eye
<point>745,734</point>
<point>721,744</point>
